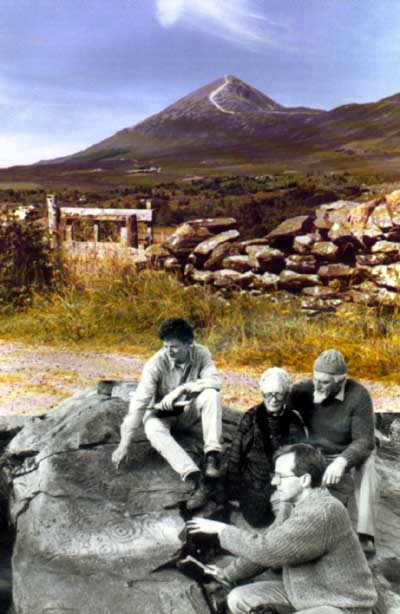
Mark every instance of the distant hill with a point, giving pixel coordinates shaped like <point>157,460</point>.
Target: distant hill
<point>229,122</point>
<point>220,116</point>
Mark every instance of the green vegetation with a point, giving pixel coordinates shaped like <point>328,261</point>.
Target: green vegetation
<point>122,310</point>
<point>26,265</point>
<point>116,308</point>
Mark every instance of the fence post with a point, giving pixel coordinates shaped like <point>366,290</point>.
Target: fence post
<point>53,212</point>
<point>149,229</point>
<point>132,232</point>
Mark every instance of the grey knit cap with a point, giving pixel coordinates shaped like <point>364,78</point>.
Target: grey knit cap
<point>332,362</point>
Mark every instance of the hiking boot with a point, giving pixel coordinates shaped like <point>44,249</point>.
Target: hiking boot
<point>212,467</point>
<point>368,545</point>
<point>199,498</point>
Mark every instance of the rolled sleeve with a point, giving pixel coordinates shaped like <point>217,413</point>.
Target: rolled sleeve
<point>142,398</point>
<point>208,376</point>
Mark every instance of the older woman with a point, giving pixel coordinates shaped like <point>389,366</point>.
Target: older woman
<point>262,430</point>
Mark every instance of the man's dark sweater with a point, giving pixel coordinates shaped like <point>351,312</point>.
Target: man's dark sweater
<point>344,428</point>
<point>250,463</point>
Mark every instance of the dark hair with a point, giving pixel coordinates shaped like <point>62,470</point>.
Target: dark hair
<point>307,459</point>
<point>176,328</point>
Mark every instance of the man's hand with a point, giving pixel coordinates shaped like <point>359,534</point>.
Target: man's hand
<point>334,471</point>
<point>193,387</point>
<point>168,401</point>
<point>204,525</point>
<point>120,455</point>
<point>218,573</point>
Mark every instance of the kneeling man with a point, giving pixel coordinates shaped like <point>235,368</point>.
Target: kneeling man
<point>179,386</point>
<point>324,567</point>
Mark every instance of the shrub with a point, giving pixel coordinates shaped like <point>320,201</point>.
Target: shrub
<point>25,261</point>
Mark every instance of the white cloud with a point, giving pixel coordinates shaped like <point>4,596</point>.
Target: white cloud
<point>233,20</point>
<point>169,11</point>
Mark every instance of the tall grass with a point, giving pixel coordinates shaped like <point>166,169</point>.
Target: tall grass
<point>120,309</point>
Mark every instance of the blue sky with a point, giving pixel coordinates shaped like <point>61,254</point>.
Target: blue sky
<point>73,72</point>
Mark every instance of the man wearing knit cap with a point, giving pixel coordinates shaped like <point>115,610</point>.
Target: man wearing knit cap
<point>338,414</point>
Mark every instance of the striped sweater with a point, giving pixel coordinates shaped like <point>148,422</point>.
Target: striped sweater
<point>321,557</point>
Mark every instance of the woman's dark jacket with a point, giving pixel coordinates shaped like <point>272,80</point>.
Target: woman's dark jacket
<point>250,462</point>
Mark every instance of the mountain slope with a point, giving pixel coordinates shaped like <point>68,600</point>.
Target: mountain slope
<point>228,119</point>
<point>224,113</point>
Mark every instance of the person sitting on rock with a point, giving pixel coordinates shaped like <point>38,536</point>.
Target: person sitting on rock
<point>262,430</point>
<point>324,570</point>
<point>179,385</point>
<point>338,414</point>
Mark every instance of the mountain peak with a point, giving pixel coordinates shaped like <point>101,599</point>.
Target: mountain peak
<point>228,94</point>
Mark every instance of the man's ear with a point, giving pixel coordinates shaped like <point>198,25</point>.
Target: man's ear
<point>306,480</point>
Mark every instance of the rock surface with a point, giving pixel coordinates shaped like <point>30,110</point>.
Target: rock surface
<point>344,243</point>
<point>89,537</point>
<point>92,539</point>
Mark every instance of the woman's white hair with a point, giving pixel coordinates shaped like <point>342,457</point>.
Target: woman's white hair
<point>273,378</point>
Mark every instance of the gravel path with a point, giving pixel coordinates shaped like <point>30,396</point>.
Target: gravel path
<point>35,379</point>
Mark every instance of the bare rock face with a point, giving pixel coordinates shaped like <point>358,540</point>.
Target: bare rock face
<point>387,275</point>
<point>292,280</point>
<point>290,228</point>
<point>172,264</point>
<point>265,258</point>
<point>197,276</point>
<point>218,254</point>
<point>238,263</point>
<point>369,260</point>
<point>89,538</point>
<point>325,250</point>
<point>227,278</point>
<point>386,247</point>
<point>301,263</point>
<point>214,224</point>
<point>157,254</point>
<point>206,247</point>
<point>302,244</point>
<point>335,271</point>
<point>185,239</point>
<point>381,217</point>
<point>339,246</point>
<point>319,292</point>
<point>269,281</point>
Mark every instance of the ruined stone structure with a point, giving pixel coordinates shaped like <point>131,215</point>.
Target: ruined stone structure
<point>343,252</point>
<point>62,219</point>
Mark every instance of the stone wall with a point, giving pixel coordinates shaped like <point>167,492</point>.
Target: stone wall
<point>344,251</point>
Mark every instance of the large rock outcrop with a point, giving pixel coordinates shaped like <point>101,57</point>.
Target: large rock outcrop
<point>90,538</point>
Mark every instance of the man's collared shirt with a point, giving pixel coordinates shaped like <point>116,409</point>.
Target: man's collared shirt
<point>340,395</point>
<point>161,375</point>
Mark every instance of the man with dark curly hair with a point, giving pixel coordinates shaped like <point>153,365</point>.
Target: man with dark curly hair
<point>179,386</point>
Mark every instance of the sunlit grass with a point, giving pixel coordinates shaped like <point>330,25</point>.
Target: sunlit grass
<point>120,309</point>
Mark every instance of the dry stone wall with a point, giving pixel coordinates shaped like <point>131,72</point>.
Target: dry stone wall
<point>344,252</point>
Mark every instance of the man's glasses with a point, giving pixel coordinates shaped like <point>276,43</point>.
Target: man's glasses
<point>278,396</point>
<point>278,477</point>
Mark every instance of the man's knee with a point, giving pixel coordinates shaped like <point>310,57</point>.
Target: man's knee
<point>207,397</point>
<point>234,601</point>
<point>152,428</point>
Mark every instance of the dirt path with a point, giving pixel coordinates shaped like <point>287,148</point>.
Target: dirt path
<point>35,379</point>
